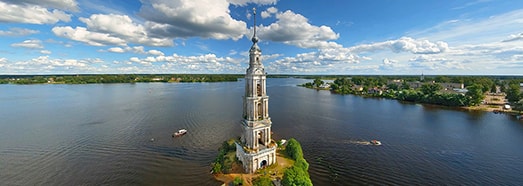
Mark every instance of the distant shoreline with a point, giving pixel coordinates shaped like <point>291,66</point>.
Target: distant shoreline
<point>117,78</point>
<point>495,108</point>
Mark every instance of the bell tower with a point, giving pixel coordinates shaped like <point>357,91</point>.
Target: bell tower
<point>255,149</point>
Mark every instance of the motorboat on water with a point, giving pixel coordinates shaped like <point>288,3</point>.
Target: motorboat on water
<point>375,142</point>
<point>180,132</point>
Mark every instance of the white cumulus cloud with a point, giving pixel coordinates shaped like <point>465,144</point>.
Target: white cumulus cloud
<point>426,58</point>
<point>269,12</point>
<point>32,44</point>
<point>45,52</point>
<point>191,64</point>
<point>259,2</point>
<point>18,32</point>
<point>388,61</point>
<point>404,44</point>
<point>123,27</point>
<point>134,49</point>
<point>322,61</point>
<point>134,59</point>
<point>83,35</point>
<point>191,18</point>
<point>514,37</point>
<point>390,64</point>
<point>116,50</point>
<point>31,13</point>
<point>110,29</point>
<point>294,29</point>
<point>70,5</point>
<point>155,52</point>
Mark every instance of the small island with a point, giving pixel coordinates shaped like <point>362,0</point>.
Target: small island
<point>255,158</point>
<point>291,168</point>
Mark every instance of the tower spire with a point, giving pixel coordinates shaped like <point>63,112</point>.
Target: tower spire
<point>254,38</point>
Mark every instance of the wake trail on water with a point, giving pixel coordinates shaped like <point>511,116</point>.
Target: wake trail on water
<point>359,142</point>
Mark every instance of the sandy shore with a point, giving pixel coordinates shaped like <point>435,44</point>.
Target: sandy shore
<point>493,103</point>
<point>282,164</point>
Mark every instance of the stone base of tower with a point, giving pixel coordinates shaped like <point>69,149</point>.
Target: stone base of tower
<point>253,161</point>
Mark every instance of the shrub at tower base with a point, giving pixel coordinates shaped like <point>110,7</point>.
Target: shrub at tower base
<point>225,159</point>
<point>297,174</point>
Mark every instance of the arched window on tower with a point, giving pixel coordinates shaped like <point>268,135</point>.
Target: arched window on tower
<point>260,138</point>
<point>260,111</point>
<point>258,90</point>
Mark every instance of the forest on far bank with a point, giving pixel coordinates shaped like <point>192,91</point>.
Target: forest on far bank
<point>455,91</point>
<point>135,78</point>
<point>115,78</point>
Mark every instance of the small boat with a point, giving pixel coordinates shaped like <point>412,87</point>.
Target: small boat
<point>283,141</point>
<point>375,142</point>
<point>180,132</point>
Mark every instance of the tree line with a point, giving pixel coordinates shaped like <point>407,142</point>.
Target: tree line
<point>116,78</point>
<point>430,89</point>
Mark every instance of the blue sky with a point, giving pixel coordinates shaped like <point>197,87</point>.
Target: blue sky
<point>381,37</point>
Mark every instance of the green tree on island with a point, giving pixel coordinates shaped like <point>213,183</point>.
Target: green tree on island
<point>237,181</point>
<point>519,105</point>
<point>430,88</point>
<point>295,176</point>
<point>442,79</point>
<point>262,181</point>
<point>475,94</point>
<point>493,88</point>
<point>358,80</point>
<point>298,173</point>
<point>293,149</point>
<point>393,86</point>
<point>503,86</point>
<point>405,85</point>
<point>318,82</point>
<point>513,92</point>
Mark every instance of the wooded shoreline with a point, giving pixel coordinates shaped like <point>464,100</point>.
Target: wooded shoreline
<point>465,92</point>
<point>116,78</point>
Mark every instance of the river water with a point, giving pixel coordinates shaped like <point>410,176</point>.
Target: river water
<point>120,134</point>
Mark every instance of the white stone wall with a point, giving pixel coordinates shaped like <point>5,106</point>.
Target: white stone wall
<point>251,131</point>
<point>253,161</point>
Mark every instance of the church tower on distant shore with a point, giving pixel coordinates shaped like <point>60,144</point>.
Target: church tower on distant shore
<point>255,149</point>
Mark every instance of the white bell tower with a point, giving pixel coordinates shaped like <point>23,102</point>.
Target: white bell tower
<point>256,149</point>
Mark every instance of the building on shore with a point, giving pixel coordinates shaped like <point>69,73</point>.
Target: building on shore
<point>256,149</point>
<point>452,86</point>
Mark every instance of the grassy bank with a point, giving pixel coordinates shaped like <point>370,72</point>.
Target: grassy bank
<point>290,167</point>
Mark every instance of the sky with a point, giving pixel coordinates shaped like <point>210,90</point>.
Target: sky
<point>348,37</point>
